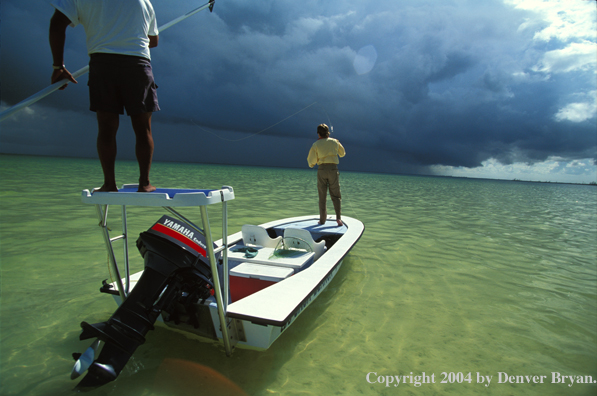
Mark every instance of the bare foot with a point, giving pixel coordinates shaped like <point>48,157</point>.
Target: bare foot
<point>340,223</point>
<point>105,188</point>
<point>146,188</point>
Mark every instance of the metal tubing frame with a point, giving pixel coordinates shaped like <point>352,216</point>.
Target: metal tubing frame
<point>103,218</point>
<point>127,270</point>
<point>225,254</point>
<point>221,293</point>
<point>222,308</point>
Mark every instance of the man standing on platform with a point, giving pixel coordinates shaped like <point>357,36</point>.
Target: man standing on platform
<point>325,152</point>
<point>119,36</point>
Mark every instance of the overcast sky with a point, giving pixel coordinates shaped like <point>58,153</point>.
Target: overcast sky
<point>480,88</point>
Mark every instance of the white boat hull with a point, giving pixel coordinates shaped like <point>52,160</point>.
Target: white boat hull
<point>260,318</point>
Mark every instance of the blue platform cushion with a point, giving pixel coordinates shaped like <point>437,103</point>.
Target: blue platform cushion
<point>317,230</point>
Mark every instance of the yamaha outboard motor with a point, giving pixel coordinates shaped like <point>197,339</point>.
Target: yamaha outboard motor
<point>176,272</point>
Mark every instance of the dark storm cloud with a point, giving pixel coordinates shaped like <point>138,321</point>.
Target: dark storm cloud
<point>448,83</point>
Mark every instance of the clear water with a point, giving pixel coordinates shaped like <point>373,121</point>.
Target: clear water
<point>451,275</point>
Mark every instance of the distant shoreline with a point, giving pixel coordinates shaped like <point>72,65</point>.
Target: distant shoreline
<point>577,184</point>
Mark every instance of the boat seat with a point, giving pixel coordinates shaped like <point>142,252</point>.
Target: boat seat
<point>257,235</point>
<point>297,237</point>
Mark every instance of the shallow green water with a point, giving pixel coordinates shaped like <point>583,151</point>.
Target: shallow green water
<point>451,275</point>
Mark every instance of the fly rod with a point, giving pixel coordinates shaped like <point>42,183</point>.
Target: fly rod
<point>54,87</point>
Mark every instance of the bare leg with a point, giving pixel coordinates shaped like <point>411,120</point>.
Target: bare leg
<point>143,149</point>
<point>106,147</point>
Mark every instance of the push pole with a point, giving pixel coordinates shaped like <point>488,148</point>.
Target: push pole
<point>58,84</point>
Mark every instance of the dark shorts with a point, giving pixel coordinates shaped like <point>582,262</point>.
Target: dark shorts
<point>118,82</point>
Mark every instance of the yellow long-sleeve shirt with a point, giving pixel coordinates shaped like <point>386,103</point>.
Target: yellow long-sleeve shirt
<point>325,151</point>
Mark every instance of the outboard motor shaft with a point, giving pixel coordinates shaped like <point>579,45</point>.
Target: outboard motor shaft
<point>176,267</point>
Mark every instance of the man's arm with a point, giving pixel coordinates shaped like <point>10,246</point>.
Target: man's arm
<point>341,151</point>
<point>58,25</point>
<point>153,41</point>
<point>312,157</point>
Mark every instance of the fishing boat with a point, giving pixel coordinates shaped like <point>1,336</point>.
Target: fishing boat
<point>243,290</point>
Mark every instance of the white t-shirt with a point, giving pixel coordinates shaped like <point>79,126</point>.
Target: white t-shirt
<point>113,26</point>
